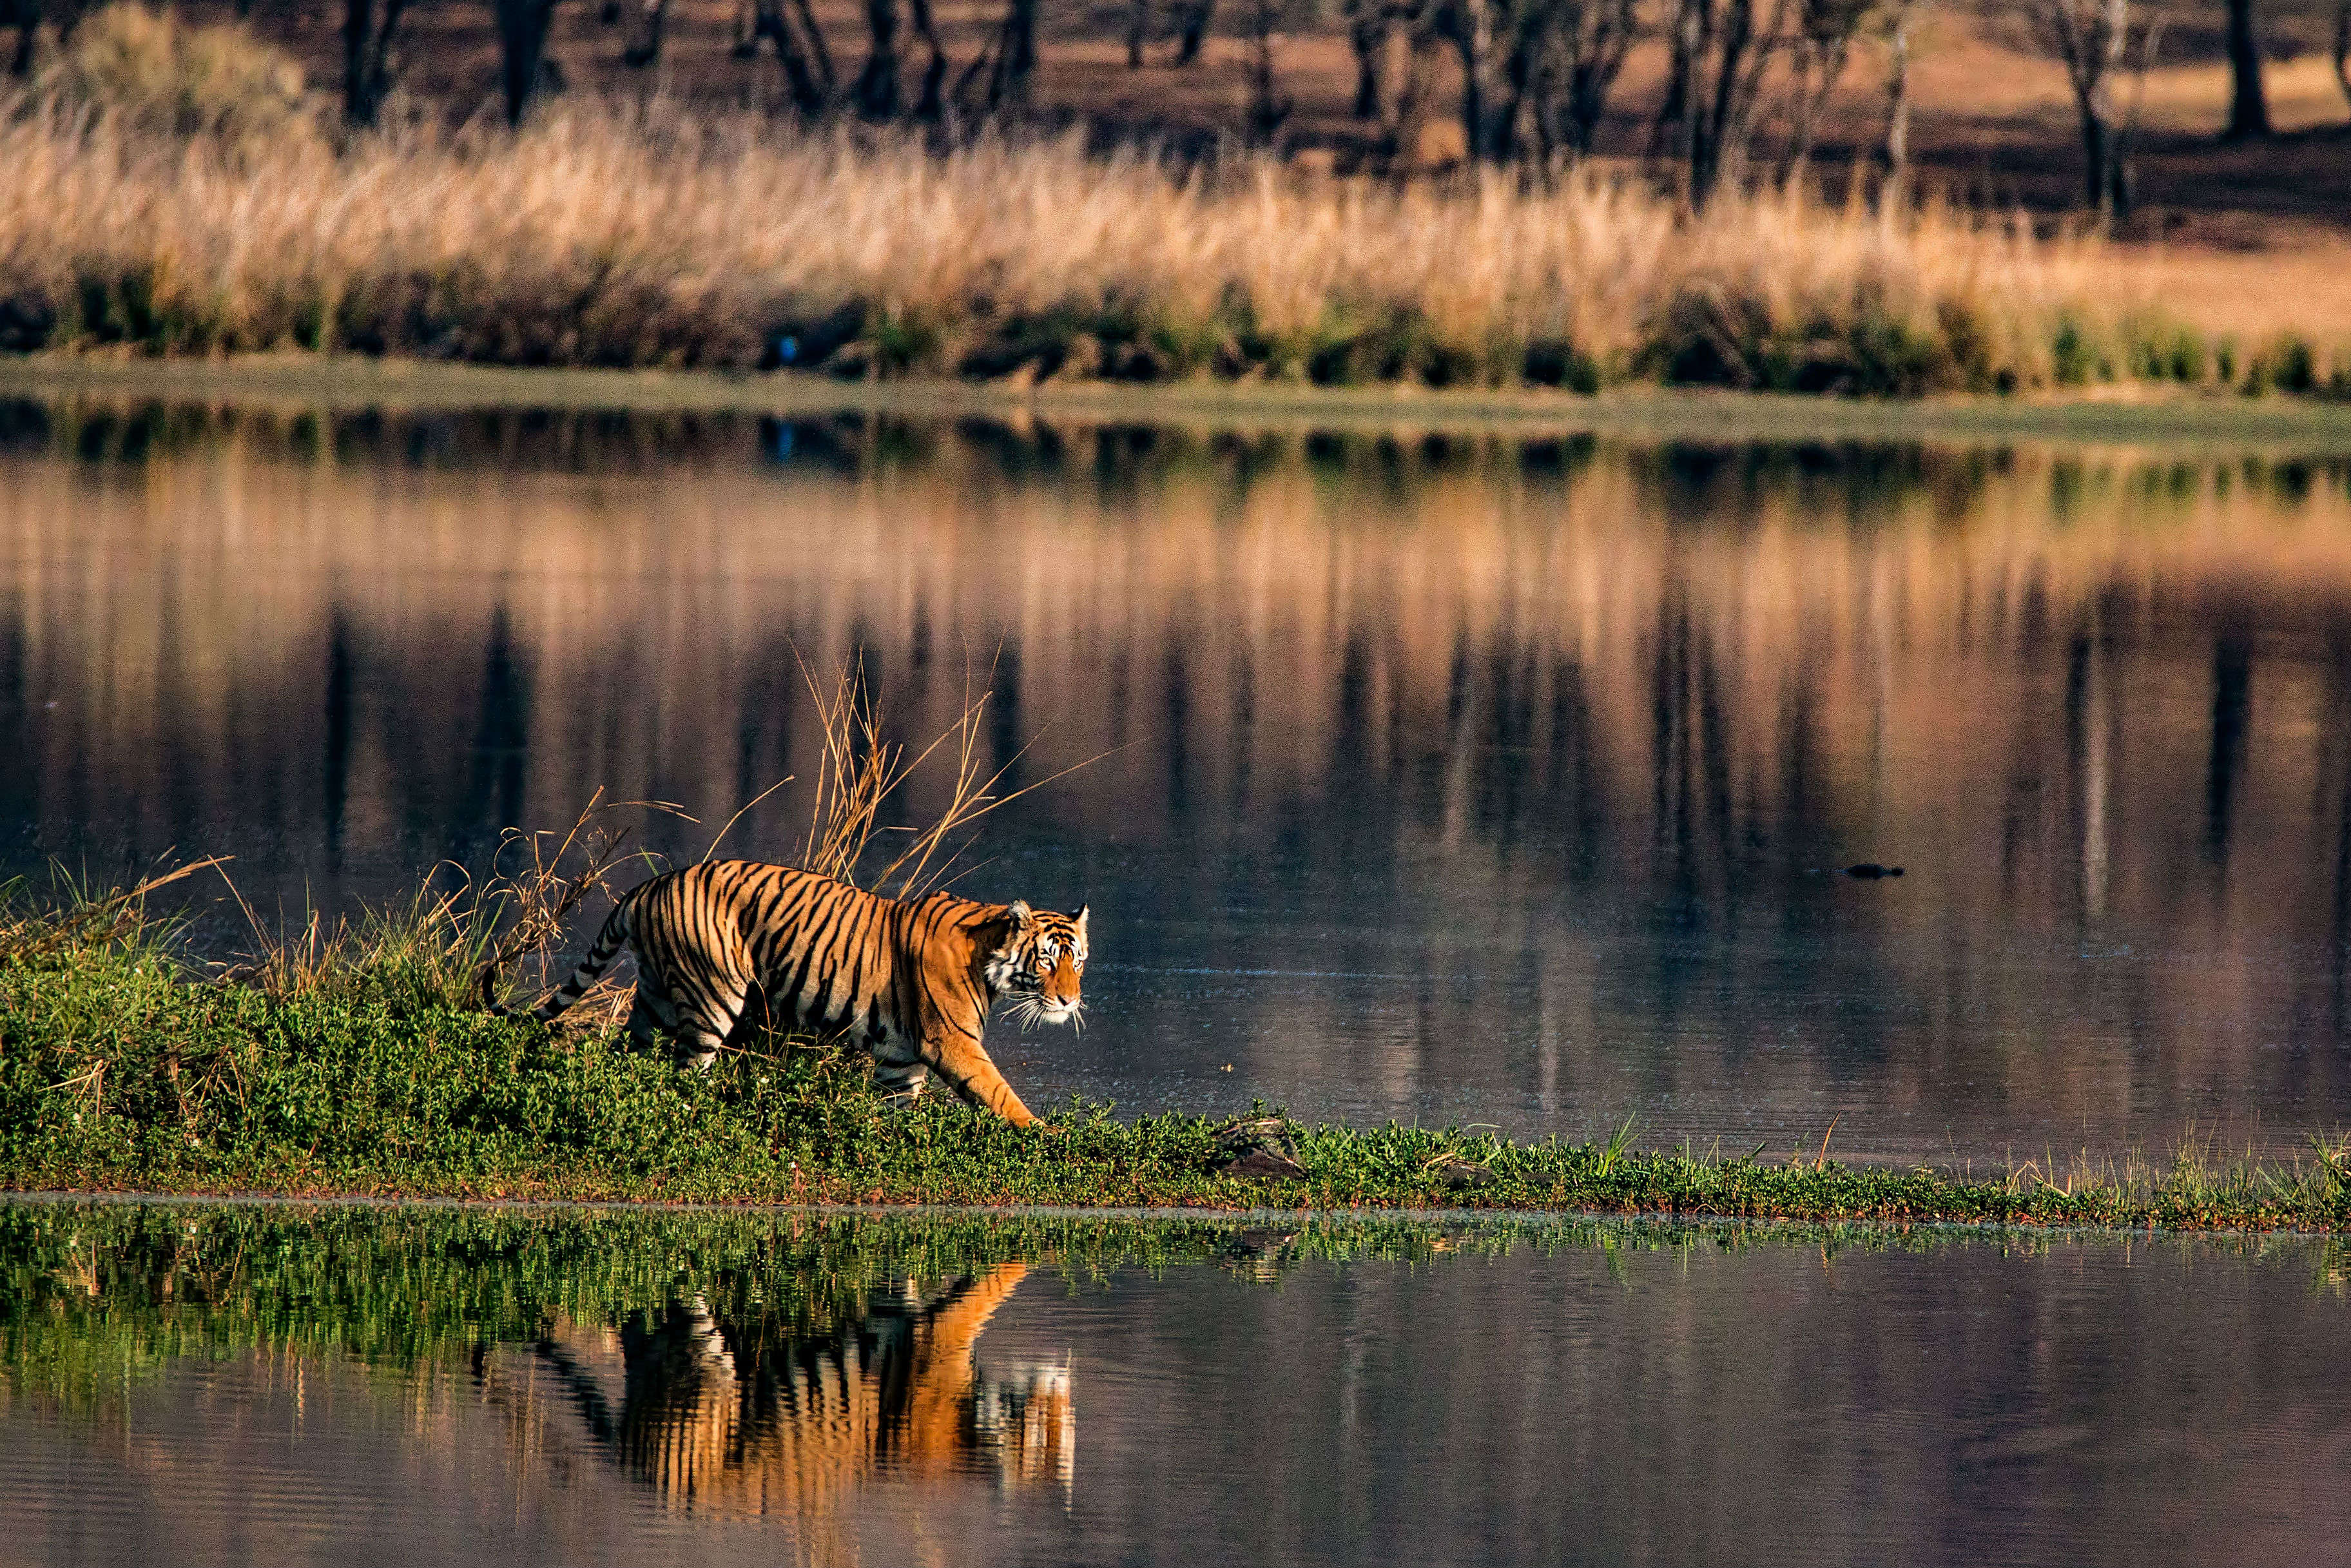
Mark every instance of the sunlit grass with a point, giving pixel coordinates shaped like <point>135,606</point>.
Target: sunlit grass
<point>605,237</point>
<point>357,1063</point>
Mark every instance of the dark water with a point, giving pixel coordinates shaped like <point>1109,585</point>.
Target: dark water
<point>278,1384</point>
<point>1449,778</point>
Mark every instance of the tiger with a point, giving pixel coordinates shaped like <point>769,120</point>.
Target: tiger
<point>911,981</point>
<point>755,1412</point>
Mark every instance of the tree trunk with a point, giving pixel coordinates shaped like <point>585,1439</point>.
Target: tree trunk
<point>1819,63</point>
<point>1192,29</point>
<point>1674,107</point>
<point>931,102</point>
<point>2343,47</point>
<point>877,84</point>
<point>1267,111</point>
<point>1016,54</point>
<point>2249,110</point>
<point>809,96</point>
<point>1482,96</point>
<point>1726,67</point>
<point>27,16</point>
<point>1138,30</point>
<point>1895,155</point>
<point>1367,35</point>
<point>522,47</point>
<point>1603,34</point>
<point>649,21</point>
<point>367,65</point>
<point>820,57</point>
<point>2097,154</point>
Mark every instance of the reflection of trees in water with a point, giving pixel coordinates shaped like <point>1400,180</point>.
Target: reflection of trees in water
<point>718,1403</point>
<point>1475,674</point>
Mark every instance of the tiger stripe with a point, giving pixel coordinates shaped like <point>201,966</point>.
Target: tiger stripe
<point>911,982</point>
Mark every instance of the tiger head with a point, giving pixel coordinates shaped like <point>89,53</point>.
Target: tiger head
<point>1038,963</point>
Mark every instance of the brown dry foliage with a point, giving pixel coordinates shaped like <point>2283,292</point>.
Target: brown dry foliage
<point>607,236</point>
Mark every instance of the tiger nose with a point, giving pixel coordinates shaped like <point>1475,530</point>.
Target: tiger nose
<point>1064,982</point>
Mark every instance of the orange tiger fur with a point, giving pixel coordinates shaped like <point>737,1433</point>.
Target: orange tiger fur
<point>912,982</point>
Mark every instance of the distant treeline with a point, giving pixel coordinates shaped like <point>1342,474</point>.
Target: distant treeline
<point>1527,82</point>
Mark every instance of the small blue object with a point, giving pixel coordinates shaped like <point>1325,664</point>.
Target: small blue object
<point>787,349</point>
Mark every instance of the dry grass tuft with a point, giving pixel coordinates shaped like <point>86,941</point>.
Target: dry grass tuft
<point>603,236</point>
<point>76,921</point>
<point>537,882</point>
<point>861,769</point>
<point>156,74</point>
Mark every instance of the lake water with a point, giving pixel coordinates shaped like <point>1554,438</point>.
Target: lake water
<point>258,1385</point>
<point>1454,777</point>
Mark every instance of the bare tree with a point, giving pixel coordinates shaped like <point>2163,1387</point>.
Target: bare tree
<point>2249,110</point>
<point>1369,22</point>
<point>1537,72</point>
<point>791,27</point>
<point>27,16</point>
<point>1594,37</point>
<point>877,89</point>
<point>878,93</point>
<point>1823,45</point>
<point>1478,30</point>
<point>648,19</point>
<point>2343,46</point>
<point>1894,147</point>
<point>522,50</point>
<point>1722,49</point>
<point>24,15</point>
<point>1267,109</point>
<point>2092,39</point>
<point>1192,21</point>
<point>368,28</point>
<point>930,100</point>
<point>1015,52</point>
<point>1004,63</point>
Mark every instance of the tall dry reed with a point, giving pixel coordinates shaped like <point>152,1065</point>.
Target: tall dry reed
<point>602,236</point>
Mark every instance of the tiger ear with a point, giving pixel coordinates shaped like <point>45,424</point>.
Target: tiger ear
<point>1082,917</point>
<point>1020,914</point>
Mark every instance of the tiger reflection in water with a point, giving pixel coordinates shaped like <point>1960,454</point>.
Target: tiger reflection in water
<point>713,1416</point>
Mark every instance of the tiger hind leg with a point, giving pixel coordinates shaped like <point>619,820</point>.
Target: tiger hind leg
<point>899,1072</point>
<point>696,1031</point>
<point>650,1019</point>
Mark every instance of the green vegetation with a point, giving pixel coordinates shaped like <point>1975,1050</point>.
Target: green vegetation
<point>354,1060</point>
<point>97,1296</point>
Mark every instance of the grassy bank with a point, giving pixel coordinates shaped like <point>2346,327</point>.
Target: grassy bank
<point>635,238</point>
<point>98,1298</point>
<point>358,1063</point>
<point>318,387</point>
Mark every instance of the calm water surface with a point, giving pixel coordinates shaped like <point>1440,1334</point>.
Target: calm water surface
<point>1448,778</point>
<point>279,1385</point>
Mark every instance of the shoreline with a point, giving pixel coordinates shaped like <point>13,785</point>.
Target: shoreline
<point>1768,1227</point>
<point>342,382</point>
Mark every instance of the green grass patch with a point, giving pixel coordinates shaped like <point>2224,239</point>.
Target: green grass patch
<point>355,1061</point>
<point>98,1296</point>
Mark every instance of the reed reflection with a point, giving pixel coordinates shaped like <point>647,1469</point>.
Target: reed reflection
<point>1451,777</point>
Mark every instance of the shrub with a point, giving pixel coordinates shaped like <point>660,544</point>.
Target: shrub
<point>158,74</point>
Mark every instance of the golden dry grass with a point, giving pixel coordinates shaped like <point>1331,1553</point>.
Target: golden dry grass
<point>647,238</point>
